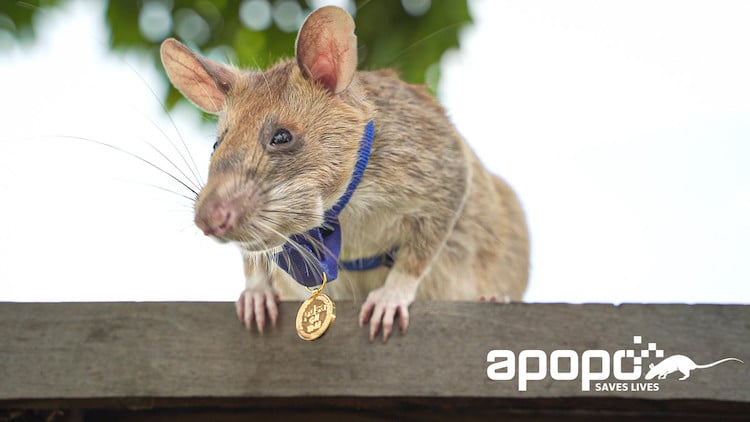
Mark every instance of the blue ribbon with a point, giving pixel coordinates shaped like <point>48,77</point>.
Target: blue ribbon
<point>324,243</point>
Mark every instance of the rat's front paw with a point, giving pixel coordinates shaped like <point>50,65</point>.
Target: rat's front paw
<point>253,305</point>
<point>383,306</point>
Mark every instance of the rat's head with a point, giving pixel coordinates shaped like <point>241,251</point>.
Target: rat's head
<point>287,138</point>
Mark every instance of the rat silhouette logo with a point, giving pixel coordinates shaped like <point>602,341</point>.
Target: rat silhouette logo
<point>594,369</point>
<point>679,363</point>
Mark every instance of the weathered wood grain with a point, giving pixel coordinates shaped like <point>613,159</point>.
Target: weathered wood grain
<point>148,355</point>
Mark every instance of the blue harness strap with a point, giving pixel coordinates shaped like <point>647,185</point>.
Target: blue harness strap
<point>308,255</point>
<point>370,263</point>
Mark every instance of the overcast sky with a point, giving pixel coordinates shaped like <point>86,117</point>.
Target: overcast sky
<point>623,126</point>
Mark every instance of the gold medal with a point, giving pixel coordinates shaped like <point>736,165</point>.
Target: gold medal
<point>316,314</point>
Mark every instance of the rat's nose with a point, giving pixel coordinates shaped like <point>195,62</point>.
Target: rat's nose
<point>217,218</point>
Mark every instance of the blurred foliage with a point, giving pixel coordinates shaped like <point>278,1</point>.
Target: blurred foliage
<point>16,17</point>
<point>408,35</point>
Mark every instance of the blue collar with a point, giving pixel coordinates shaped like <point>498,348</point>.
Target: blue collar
<point>322,245</point>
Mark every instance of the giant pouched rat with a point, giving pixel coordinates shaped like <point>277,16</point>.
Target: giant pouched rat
<point>289,142</point>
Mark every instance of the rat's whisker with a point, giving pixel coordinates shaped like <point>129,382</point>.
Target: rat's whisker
<point>194,169</point>
<point>196,180</point>
<point>158,151</point>
<point>163,189</point>
<point>133,155</point>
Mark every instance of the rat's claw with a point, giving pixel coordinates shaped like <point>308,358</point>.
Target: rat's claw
<point>239,306</point>
<point>403,318</point>
<point>383,307</point>
<point>375,319</point>
<point>365,313</point>
<point>260,312</point>
<point>249,309</point>
<point>253,305</point>
<point>502,299</point>
<point>388,316</point>
<point>273,309</point>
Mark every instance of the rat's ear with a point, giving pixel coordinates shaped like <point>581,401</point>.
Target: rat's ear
<point>202,81</point>
<point>327,48</point>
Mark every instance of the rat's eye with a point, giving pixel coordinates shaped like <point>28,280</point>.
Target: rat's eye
<point>281,137</point>
<point>216,144</point>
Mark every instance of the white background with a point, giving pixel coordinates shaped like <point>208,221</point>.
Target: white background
<point>623,126</point>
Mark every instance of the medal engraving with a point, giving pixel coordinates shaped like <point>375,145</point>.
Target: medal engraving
<point>315,315</point>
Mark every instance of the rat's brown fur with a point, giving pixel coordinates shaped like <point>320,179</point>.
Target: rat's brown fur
<point>426,191</point>
<point>460,230</point>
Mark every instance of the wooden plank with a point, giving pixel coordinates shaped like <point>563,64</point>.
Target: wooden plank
<point>148,355</point>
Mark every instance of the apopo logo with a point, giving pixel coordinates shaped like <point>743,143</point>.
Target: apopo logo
<point>592,367</point>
